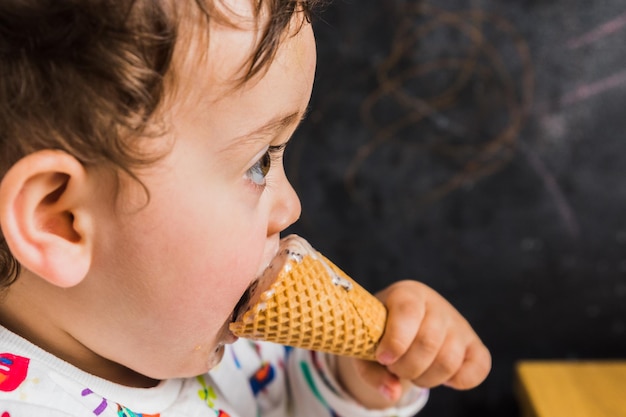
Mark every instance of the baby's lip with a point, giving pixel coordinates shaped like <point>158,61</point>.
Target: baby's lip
<point>242,304</point>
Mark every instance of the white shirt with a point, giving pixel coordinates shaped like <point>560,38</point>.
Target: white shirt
<point>252,380</point>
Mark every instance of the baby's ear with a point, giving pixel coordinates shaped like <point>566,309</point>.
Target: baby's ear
<point>44,216</point>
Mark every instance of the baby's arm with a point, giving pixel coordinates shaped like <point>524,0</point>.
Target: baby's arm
<point>426,343</point>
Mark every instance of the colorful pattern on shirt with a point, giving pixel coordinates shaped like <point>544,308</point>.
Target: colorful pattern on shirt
<point>254,379</point>
<point>13,370</point>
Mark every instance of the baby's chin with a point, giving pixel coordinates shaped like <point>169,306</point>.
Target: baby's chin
<point>216,354</point>
<point>203,360</point>
<point>215,357</point>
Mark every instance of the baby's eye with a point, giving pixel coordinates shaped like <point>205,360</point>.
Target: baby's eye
<point>259,170</point>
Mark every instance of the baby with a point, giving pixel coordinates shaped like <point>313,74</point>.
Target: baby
<point>142,193</point>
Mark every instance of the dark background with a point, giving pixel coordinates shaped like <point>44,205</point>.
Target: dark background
<point>477,146</point>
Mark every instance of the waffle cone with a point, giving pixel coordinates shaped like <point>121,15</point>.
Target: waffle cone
<point>304,300</point>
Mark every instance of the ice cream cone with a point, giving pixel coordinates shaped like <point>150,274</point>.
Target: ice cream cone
<point>304,300</point>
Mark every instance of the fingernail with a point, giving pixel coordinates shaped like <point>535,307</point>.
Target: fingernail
<point>385,358</point>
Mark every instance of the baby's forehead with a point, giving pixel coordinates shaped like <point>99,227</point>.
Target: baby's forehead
<point>226,51</point>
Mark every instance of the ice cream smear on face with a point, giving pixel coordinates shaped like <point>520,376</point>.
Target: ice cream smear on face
<point>304,300</point>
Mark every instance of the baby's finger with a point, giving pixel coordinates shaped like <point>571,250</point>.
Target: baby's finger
<point>446,364</point>
<point>370,381</point>
<point>381,380</point>
<point>424,349</point>
<point>474,369</point>
<point>404,317</point>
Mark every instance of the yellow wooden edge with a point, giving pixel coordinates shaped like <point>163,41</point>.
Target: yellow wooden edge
<point>571,388</point>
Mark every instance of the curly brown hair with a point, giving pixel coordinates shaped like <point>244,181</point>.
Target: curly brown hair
<point>86,76</point>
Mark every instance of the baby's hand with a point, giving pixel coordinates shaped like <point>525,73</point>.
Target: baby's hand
<point>426,342</point>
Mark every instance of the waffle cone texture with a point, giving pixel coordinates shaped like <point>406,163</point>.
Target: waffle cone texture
<point>304,300</point>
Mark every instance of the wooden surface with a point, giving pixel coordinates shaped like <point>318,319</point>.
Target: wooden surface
<point>572,388</point>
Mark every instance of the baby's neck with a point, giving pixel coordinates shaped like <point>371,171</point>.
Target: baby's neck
<point>25,311</point>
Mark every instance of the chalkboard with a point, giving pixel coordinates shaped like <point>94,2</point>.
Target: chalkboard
<point>477,146</point>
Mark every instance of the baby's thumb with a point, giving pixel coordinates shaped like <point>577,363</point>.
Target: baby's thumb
<point>380,379</point>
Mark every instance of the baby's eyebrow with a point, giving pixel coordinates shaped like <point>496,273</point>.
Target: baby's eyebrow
<point>274,126</point>
<point>269,129</point>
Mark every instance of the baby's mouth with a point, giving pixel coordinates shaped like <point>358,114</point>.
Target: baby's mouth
<point>242,304</point>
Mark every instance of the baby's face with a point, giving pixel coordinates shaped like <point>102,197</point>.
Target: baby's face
<point>175,269</point>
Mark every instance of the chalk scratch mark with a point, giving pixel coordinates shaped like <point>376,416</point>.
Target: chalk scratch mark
<point>563,207</point>
<point>598,33</point>
<point>587,91</point>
